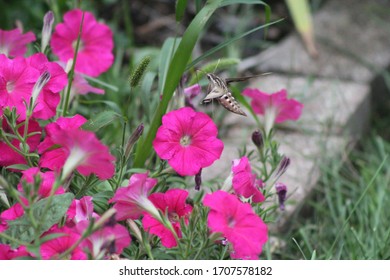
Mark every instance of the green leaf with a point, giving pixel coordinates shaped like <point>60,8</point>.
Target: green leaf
<point>251,2</point>
<point>176,69</point>
<point>169,47</point>
<point>228,42</point>
<point>146,87</point>
<point>18,166</point>
<point>180,9</point>
<point>22,228</point>
<point>101,120</point>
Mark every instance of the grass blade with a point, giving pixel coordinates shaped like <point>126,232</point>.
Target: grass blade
<point>227,42</point>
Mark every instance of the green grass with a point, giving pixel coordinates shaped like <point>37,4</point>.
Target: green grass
<point>347,217</point>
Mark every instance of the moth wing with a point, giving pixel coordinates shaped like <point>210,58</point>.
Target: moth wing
<point>216,92</point>
<point>242,79</point>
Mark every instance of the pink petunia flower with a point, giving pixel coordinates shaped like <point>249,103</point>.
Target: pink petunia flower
<point>17,79</point>
<point>47,182</point>
<point>188,141</point>
<point>275,107</point>
<point>244,181</point>
<point>70,148</point>
<point>49,98</point>
<point>12,213</point>
<point>96,43</point>
<point>80,86</point>
<point>173,202</point>
<point>8,156</point>
<point>110,239</point>
<point>53,248</point>
<point>237,222</point>
<point>13,43</point>
<point>7,253</point>
<point>132,201</point>
<point>80,210</point>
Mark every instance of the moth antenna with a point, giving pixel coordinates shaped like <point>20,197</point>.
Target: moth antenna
<point>216,66</point>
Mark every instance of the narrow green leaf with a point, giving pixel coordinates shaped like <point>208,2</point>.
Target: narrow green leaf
<point>169,47</point>
<point>146,87</point>
<point>18,166</point>
<point>180,9</point>
<point>252,2</point>
<point>22,228</point>
<point>227,42</point>
<point>176,69</point>
<point>101,120</point>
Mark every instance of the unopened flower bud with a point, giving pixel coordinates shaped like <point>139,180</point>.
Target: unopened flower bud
<point>198,180</point>
<point>257,139</point>
<point>133,139</point>
<point>42,81</point>
<point>48,21</point>
<point>283,165</point>
<point>281,190</point>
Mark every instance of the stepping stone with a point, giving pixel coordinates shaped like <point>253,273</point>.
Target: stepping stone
<point>353,41</point>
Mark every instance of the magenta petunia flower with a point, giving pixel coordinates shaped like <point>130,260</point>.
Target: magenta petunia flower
<point>70,148</point>
<point>8,156</point>
<point>13,43</point>
<point>47,182</point>
<point>49,98</point>
<point>7,253</point>
<point>96,43</point>
<point>80,86</point>
<point>188,141</point>
<point>110,239</point>
<point>17,79</point>
<point>53,248</point>
<point>237,222</point>
<point>244,181</point>
<point>275,107</point>
<point>132,201</point>
<point>173,202</point>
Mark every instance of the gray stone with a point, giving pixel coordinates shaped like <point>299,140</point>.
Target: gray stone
<point>331,105</point>
<point>353,41</point>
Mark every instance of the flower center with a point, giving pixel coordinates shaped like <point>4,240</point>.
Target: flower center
<point>173,217</point>
<point>185,140</point>
<point>81,45</point>
<point>231,222</point>
<point>10,86</point>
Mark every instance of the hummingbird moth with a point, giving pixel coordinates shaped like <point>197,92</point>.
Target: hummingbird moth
<point>218,89</point>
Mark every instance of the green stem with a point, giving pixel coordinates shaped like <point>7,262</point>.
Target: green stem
<point>122,160</point>
<point>71,72</point>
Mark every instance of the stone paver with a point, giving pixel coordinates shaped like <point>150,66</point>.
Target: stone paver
<point>352,36</point>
